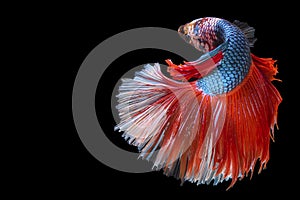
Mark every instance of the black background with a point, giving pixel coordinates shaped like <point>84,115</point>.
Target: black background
<point>81,29</point>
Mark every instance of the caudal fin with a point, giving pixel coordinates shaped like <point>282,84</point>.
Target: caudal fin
<point>172,122</point>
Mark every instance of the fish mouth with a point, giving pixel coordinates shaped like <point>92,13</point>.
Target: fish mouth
<point>182,33</point>
<point>190,39</point>
<point>181,29</point>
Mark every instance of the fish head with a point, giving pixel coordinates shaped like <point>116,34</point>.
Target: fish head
<point>187,32</point>
<point>199,33</point>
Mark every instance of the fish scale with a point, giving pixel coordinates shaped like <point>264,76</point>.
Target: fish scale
<point>235,64</point>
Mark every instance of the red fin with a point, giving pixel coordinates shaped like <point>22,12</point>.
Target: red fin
<point>266,66</point>
<point>256,100</point>
<point>197,137</point>
<point>193,69</point>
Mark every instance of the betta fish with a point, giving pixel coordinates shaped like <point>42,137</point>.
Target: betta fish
<point>213,118</point>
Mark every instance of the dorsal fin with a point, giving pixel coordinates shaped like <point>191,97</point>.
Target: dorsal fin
<point>247,30</point>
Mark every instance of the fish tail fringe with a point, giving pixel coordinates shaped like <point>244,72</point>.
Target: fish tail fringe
<point>196,137</point>
<point>170,122</point>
